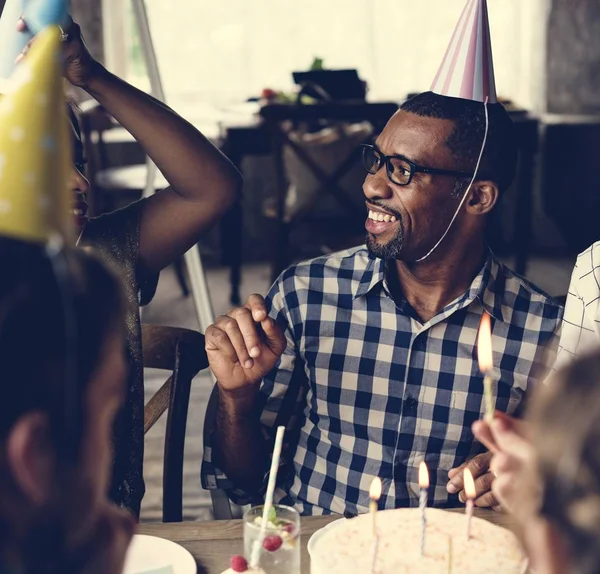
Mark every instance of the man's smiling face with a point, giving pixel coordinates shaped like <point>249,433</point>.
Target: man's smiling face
<point>405,222</point>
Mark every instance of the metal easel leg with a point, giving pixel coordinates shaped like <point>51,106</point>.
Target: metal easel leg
<point>197,277</point>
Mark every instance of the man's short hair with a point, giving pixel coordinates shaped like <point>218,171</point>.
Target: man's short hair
<point>499,161</point>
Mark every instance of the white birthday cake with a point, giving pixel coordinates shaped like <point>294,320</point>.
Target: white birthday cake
<point>347,547</point>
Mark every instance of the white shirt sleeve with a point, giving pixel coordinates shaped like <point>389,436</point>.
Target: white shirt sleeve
<point>581,323</point>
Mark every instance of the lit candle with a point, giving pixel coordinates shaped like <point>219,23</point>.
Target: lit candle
<point>424,485</point>
<point>374,495</point>
<point>471,494</point>
<point>486,363</point>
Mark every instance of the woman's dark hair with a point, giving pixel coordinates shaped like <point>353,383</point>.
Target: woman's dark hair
<point>499,161</point>
<point>566,433</point>
<point>37,319</point>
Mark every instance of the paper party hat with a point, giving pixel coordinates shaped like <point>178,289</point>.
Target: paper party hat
<point>11,41</point>
<point>38,14</point>
<point>467,70</point>
<point>35,147</point>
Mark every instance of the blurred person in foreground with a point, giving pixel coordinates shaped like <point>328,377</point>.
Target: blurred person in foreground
<point>61,348</point>
<point>55,428</point>
<point>548,470</point>
<point>145,237</point>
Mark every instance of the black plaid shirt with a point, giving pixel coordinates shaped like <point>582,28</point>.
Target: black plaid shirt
<point>365,389</point>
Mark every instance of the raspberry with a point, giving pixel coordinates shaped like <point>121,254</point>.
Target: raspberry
<point>272,543</point>
<point>238,564</point>
<point>289,528</point>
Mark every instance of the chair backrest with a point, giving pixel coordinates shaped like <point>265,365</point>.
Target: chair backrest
<point>321,179</point>
<point>222,508</point>
<point>180,351</point>
<point>95,121</point>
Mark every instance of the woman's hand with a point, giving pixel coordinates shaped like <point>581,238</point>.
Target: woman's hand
<point>513,465</point>
<point>80,66</point>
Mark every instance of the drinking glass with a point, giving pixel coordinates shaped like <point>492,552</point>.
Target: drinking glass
<point>280,548</point>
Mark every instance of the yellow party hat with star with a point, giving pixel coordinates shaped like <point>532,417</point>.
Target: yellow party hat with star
<point>35,147</point>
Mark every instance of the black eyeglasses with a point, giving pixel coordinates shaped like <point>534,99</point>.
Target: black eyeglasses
<point>399,169</point>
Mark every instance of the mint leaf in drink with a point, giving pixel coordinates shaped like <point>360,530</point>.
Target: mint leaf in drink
<point>272,516</point>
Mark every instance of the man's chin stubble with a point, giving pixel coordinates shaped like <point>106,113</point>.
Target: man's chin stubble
<point>390,250</point>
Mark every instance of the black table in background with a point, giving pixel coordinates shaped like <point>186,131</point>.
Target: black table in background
<point>239,142</point>
<point>254,139</point>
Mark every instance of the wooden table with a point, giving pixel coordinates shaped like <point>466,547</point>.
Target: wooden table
<point>212,543</point>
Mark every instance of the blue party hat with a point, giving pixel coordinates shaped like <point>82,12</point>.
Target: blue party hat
<point>38,14</point>
<point>11,41</point>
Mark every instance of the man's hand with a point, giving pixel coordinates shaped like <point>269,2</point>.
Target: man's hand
<point>244,345</point>
<point>80,66</point>
<point>480,468</point>
<point>513,464</point>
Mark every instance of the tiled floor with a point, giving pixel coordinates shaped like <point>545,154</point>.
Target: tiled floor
<point>170,308</point>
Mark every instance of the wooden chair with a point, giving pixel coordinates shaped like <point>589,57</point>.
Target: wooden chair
<point>117,178</point>
<point>223,508</point>
<point>278,118</point>
<point>180,351</point>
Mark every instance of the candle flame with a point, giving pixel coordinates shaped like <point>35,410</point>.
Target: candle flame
<point>375,490</point>
<point>469,485</point>
<point>484,344</point>
<point>423,476</point>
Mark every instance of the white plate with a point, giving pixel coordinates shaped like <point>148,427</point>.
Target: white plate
<point>152,555</point>
<point>315,537</point>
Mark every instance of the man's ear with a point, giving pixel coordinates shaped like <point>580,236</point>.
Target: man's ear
<point>483,197</point>
<point>30,456</point>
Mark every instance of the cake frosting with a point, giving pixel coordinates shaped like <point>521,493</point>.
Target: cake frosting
<point>348,547</point>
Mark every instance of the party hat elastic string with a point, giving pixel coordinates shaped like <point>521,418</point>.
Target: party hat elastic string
<point>466,194</point>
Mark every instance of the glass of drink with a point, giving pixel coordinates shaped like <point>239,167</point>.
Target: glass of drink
<point>280,547</point>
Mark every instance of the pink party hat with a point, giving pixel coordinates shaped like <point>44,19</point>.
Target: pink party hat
<point>467,70</point>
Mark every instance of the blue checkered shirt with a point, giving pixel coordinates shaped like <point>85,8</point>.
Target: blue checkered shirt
<point>366,389</point>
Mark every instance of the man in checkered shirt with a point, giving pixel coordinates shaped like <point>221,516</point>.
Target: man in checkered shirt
<point>368,356</point>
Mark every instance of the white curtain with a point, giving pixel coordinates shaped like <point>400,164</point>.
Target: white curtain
<point>224,51</point>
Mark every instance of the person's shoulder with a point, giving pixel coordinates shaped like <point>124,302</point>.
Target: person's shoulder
<point>591,254</point>
<point>585,278</point>
<point>525,299</point>
<point>587,262</point>
<point>525,288</point>
<point>115,237</point>
<point>348,264</point>
<point>114,227</point>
